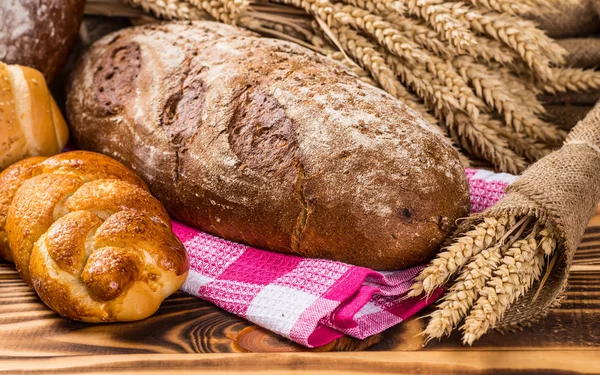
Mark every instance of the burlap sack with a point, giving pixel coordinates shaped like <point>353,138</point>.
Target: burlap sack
<point>561,191</point>
<point>566,116</point>
<point>583,52</point>
<point>575,98</point>
<point>571,19</point>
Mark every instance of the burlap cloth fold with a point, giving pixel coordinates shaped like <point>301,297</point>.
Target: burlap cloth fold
<point>566,116</point>
<point>583,52</point>
<point>562,191</point>
<point>571,18</point>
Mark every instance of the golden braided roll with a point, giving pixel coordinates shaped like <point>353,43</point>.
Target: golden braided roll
<point>85,232</point>
<point>30,122</point>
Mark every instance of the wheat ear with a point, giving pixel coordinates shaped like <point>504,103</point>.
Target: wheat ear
<point>523,146</point>
<point>572,79</point>
<point>513,7</point>
<point>380,30</point>
<point>520,266</point>
<point>463,293</point>
<point>454,256</point>
<point>380,7</point>
<point>439,15</point>
<point>169,9</point>
<point>519,115</point>
<point>535,48</point>
<point>485,143</point>
<point>226,11</point>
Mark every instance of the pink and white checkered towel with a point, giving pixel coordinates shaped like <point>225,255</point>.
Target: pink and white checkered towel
<point>310,301</point>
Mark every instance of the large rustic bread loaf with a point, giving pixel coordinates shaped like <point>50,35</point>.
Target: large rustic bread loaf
<point>263,142</point>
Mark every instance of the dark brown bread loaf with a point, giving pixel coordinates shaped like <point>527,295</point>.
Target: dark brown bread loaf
<point>263,142</point>
<point>39,34</point>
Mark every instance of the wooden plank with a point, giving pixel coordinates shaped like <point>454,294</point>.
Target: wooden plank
<point>430,362</point>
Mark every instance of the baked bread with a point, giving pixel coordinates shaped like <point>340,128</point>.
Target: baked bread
<point>264,142</point>
<point>84,231</point>
<point>30,122</point>
<point>39,34</point>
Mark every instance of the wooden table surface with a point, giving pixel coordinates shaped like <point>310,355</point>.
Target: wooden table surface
<point>188,335</point>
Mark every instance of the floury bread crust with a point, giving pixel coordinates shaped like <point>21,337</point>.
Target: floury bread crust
<point>263,142</point>
<point>39,34</point>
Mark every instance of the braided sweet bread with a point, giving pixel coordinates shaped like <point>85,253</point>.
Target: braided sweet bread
<point>86,234</point>
<point>30,122</point>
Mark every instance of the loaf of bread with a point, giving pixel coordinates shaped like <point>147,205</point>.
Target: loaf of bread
<point>30,122</point>
<point>39,34</point>
<point>264,142</point>
<point>84,231</point>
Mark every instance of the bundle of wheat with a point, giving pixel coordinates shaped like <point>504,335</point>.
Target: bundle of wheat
<point>474,68</point>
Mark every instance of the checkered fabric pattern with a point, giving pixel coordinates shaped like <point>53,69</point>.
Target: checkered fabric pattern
<point>310,301</point>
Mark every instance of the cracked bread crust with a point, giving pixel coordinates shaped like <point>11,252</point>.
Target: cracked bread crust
<point>263,142</point>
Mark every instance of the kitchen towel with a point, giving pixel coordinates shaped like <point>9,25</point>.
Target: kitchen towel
<point>311,301</point>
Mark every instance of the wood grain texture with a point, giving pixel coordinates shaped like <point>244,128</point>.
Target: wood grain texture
<point>426,362</point>
<point>33,339</point>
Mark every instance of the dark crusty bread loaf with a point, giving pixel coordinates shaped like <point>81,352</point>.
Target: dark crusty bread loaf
<point>263,142</point>
<point>39,34</point>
